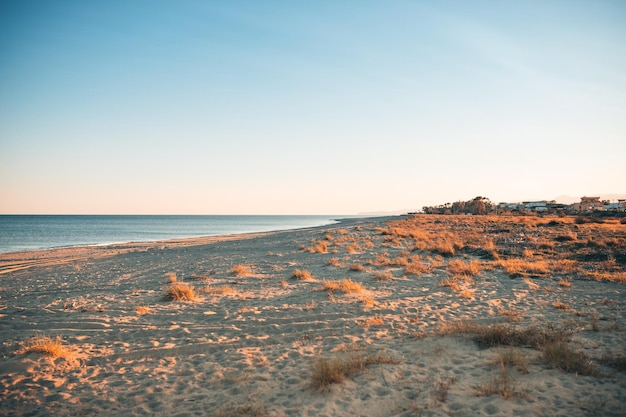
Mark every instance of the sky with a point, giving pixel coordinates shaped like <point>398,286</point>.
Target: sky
<point>319,107</point>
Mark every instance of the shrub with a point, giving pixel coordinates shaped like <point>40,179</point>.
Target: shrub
<point>302,274</point>
<point>326,371</point>
<point>241,270</point>
<point>506,334</point>
<point>458,267</point>
<point>504,386</point>
<point>560,356</point>
<point>347,286</point>
<point>46,346</point>
<point>334,262</point>
<point>181,291</point>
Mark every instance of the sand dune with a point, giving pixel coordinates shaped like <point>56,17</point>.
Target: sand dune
<point>250,344</point>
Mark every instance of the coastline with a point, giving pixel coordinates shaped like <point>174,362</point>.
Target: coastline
<point>250,344</point>
<point>14,261</point>
<point>29,233</point>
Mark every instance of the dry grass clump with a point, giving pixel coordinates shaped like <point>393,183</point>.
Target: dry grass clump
<point>327,371</point>
<point>503,385</point>
<point>46,345</point>
<point>457,282</point>
<point>181,291</point>
<point>334,262</point>
<point>417,267</point>
<point>240,270</point>
<point>514,358</point>
<point>512,315</point>
<point>441,388</point>
<point>357,268</point>
<point>467,293</point>
<point>520,267</point>
<point>459,267</point>
<point>560,356</point>
<point>142,310</point>
<point>354,248</point>
<point>171,277</point>
<point>561,305</point>
<point>565,283</point>
<point>302,274</point>
<point>608,276</point>
<point>506,334</point>
<point>320,246</point>
<point>367,302</point>
<point>383,276</point>
<point>347,286</point>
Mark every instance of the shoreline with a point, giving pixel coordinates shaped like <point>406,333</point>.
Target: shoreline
<point>120,240</point>
<point>14,261</point>
<point>375,291</point>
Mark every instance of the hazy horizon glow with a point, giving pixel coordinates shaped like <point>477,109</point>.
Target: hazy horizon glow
<point>245,107</point>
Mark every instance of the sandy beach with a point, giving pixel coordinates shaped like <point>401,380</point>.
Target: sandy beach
<point>420,316</point>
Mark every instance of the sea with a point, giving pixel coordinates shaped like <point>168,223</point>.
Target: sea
<point>19,233</point>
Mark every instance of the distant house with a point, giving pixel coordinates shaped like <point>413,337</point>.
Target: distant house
<point>538,206</point>
<point>588,204</point>
<point>619,206</point>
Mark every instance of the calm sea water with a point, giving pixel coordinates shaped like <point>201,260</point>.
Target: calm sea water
<point>35,232</point>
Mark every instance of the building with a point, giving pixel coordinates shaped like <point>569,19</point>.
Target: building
<point>588,204</point>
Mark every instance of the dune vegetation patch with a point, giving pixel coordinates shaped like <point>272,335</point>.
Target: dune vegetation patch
<point>302,275</point>
<point>326,371</point>
<point>181,291</point>
<point>347,286</point>
<point>46,345</point>
<point>241,270</point>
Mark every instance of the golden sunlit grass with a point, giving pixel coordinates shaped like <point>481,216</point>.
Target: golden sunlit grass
<point>357,268</point>
<point>516,267</point>
<point>46,345</point>
<point>334,262</point>
<point>458,283</point>
<point>367,302</point>
<point>565,283</point>
<point>320,246</point>
<point>302,274</point>
<point>181,291</point>
<point>347,286</point>
<point>142,310</point>
<point>171,277</point>
<point>459,267</point>
<point>354,248</point>
<point>467,293</point>
<point>241,270</point>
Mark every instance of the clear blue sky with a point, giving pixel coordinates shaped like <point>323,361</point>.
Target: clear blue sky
<point>285,107</point>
